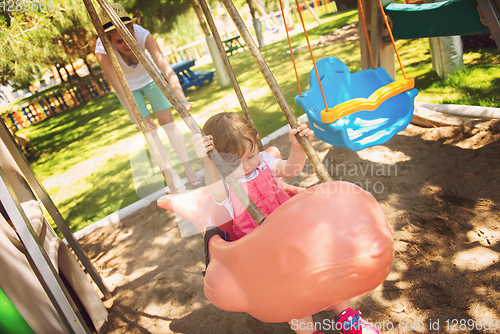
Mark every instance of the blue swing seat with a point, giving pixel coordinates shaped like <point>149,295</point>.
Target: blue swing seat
<point>361,129</point>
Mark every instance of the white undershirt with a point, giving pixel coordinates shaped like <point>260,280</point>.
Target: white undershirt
<point>136,75</point>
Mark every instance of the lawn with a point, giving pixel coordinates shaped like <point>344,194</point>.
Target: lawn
<point>84,155</point>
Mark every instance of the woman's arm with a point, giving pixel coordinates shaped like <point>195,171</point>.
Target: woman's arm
<point>165,68</point>
<point>110,74</point>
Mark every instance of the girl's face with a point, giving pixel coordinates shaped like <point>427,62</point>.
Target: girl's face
<point>249,161</point>
<point>118,42</point>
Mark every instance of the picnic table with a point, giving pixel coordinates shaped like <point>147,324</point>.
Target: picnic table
<point>232,44</point>
<point>189,78</point>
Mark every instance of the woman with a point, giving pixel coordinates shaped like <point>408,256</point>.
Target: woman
<point>142,85</point>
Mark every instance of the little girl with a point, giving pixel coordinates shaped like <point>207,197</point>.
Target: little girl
<point>236,141</point>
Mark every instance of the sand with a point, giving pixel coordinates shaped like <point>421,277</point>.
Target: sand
<point>439,188</point>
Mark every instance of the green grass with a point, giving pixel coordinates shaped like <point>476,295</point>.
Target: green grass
<point>87,133</point>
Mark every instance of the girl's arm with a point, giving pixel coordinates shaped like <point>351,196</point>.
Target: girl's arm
<point>213,178</point>
<point>297,159</point>
<point>165,68</point>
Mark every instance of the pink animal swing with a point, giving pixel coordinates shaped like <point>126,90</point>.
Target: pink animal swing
<point>327,244</point>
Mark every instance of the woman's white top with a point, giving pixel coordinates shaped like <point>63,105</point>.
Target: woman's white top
<point>136,75</point>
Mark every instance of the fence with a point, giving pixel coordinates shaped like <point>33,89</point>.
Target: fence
<point>273,20</point>
<point>194,50</point>
<point>270,23</point>
<point>56,101</point>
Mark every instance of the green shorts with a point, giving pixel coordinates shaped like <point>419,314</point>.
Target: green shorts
<point>155,97</point>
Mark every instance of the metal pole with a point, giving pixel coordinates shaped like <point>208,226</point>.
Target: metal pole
<point>130,97</point>
<point>491,12</point>
<point>235,186</point>
<point>42,194</point>
<point>229,68</point>
<point>278,94</point>
<point>40,262</point>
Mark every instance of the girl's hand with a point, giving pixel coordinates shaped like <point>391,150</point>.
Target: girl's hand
<point>303,130</point>
<point>202,145</point>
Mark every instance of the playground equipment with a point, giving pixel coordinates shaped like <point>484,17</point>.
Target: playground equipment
<point>360,110</point>
<point>369,260</point>
<point>326,256</point>
<point>373,121</point>
<point>11,322</point>
<point>445,18</point>
<point>35,261</point>
<point>443,22</point>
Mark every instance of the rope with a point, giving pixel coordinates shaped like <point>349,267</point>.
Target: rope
<point>360,5</point>
<point>290,47</point>
<point>392,37</point>
<point>299,7</point>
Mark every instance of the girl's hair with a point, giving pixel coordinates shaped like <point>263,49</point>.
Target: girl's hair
<point>231,132</point>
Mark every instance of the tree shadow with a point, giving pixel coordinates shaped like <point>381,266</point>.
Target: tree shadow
<point>440,191</point>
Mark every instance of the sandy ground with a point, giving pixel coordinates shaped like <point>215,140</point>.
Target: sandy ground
<point>440,189</point>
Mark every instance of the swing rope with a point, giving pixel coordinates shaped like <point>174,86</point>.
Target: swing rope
<point>349,107</point>
<point>290,47</point>
<point>392,38</point>
<point>299,9</point>
<point>361,11</point>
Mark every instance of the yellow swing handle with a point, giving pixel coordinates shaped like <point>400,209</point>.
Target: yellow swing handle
<point>367,104</point>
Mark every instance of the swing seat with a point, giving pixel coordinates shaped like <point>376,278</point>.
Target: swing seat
<point>380,106</point>
<point>301,260</point>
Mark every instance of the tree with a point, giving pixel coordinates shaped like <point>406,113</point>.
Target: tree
<point>158,16</point>
<point>33,41</point>
<point>18,57</point>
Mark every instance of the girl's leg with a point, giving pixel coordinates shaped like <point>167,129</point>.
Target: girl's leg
<point>350,322</point>
<point>341,307</point>
<point>177,141</point>
<point>302,326</point>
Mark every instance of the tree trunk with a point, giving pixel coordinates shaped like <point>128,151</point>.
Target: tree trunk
<point>201,18</point>
<point>252,10</point>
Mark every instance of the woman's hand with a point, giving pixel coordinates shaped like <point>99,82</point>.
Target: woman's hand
<point>202,145</point>
<point>149,127</point>
<point>303,130</point>
<point>188,105</point>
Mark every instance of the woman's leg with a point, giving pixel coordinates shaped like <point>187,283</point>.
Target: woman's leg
<point>163,152</point>
<point>177,141</point>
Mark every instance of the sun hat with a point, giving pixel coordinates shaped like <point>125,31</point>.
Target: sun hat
<point>122,14</point>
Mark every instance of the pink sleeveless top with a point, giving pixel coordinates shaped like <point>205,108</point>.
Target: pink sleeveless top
<point>265,193</point>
